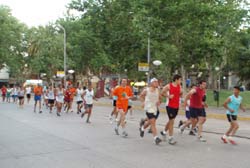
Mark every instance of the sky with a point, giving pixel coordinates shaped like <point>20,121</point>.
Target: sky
<point>36,12</point>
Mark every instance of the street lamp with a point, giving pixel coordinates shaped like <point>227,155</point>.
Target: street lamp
<point>64,53</point>
<point>218,86</point>
<point>148,55</point>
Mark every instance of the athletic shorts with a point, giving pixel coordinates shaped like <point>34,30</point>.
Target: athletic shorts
<point>196,112</point>
<point>37,98</point>
<point>114,103</point>
<point>79,102</point>
<point>87,106</point>
<point>20,97</point>
<point>188,114</point>
<point>51,101</point>
<point>231,117</point>
<point>151,115</point>
<point>172,112</point>
<point>129,107</point>
<point>28,96</point>
<point>4,95</point>
<point>158,113</point>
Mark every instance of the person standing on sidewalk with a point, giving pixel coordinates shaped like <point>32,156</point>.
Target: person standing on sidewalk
<point>38,91</point>
<point>175,91</point>
<point>123,93</point>
<point>151,101</point>
<point>197,112</point>
<point>232,104</point>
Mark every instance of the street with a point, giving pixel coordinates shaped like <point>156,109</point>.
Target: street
<point>33,140</point>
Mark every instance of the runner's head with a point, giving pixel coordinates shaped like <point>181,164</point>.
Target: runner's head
<point>89,86</point>
<point>236,90</point>
<point>177,79</point>
<point>154,82</point>
<point>203,84</point>
<point>124,82</point>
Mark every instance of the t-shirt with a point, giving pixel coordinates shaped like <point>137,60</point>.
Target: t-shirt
<point>28,90</point>
<point>79,93</point>
<point>234,104</point>
<point>121,93</point>
<point>38,90</point>
<point>196,98</point>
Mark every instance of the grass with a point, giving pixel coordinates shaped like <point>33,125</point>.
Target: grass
<point>224,95</point>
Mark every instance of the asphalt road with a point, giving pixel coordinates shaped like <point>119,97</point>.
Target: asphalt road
<point>33,140</point>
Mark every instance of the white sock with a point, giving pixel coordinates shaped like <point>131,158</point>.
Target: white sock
<point>170,137</point>
<point>164,132</point>
<point>225,137</point>
<point>142,128</point>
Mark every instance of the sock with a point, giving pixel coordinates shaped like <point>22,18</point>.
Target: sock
<point>164,132</point>
<point>142,128</point>
<point>123,130</point>
<point>225,137</point>
<point>170,137</point>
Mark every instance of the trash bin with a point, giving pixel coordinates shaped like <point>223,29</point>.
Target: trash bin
<point>216,95</point>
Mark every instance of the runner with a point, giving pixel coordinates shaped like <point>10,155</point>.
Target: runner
<point>187,123</point>
<point>59,99</point>
<point>172,108</point>
<point>72,95</point>
<point>67,96</point>
<point>15,94</point>
<point>88,97</point>
<point>79,98</point>
<point>28,93</point>
<point>21,94</point>
<point>151,100</point>
<point>114,111</point>
<point>8,95</point>
<point>45,97</point>
<point>4,91</point>
<point>123,93</point>
<point>232,104</point>
<point>197,111</point>
<point>50,93</point>
<point>38,91</point>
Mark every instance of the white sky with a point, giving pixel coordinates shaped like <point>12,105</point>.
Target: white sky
<point>36,12</point>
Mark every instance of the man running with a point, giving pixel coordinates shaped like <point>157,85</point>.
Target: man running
<point>114,111</point>
<point>4,91</point>
<point>50,93</point>
<point>151,100</point>
<point>59,99</point>
<point>197,111</point>
<point>88,97</point>
<point>123,93</point>
<point>232,104</point>
<point>28,93</point>
<point>79,98</point>
<point>38,91</point>
<point>175,91</point>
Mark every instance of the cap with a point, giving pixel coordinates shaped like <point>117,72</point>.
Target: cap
<point>153,80</point>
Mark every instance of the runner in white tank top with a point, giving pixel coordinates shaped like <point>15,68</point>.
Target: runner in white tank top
<point>59,99</point>
<point>51,97</point>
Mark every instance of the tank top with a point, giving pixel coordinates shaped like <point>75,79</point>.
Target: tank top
<point>51,94</point>
<point>59,96</point>
<point>79,93</point>
<point>196,98</point>
<point>150,101</point>
<point>21,93</point>
<point>89,96</point>
<point>176,91</point>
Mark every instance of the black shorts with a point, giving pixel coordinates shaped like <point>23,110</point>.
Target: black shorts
<point>20,97</point>
<point>51,101</point>
<point>114,103</point>
<point>188,114</point>
<point>129,107</point>
<point>151,115</point>
<point>28,96</point>
<point>172,112</point>
<point>87,106</point>
<point>79,102</point>
<point>231,117</point>
<point>197,112</point>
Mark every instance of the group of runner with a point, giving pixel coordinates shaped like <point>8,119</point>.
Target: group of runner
<point>194,103</point>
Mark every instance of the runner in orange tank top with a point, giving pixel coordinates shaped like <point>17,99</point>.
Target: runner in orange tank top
<point>123,93</point>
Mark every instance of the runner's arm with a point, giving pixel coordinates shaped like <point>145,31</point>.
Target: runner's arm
<point>143,94</point>
<point>188,96</point>
<point>228,100</point>
<point>242,108</point>
<point>165,90</point>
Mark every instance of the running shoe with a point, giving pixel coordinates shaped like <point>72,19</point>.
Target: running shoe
<point>124,134</point>
<point>224,140</point>
<point>157,141</point>
<point>200,138</point>
<point>164,136</point>
<point>180,123</point>
<point>150,131</point>
<point>181,130</point>
<point>141,132</point>
<point>88,122</point>
<point>117,131</point>
<point>232,142</point>
<point>171,141</point>
<point>82,115</point>
<point>196,129</point>
<point>40,111</point>
<point>58,114</point>
<point>192,133</point>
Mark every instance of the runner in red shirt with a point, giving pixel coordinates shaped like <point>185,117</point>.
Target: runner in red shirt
<point>4,91</point>
<point>175,91</point>
<point>197,105</point>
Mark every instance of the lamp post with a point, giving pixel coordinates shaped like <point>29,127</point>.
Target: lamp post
<point>218,86</point>
<point>64,54</point>
<point>148,56</point>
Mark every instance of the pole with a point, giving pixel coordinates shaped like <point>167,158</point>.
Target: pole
<point>148,55</point>
<point>64,54</point>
